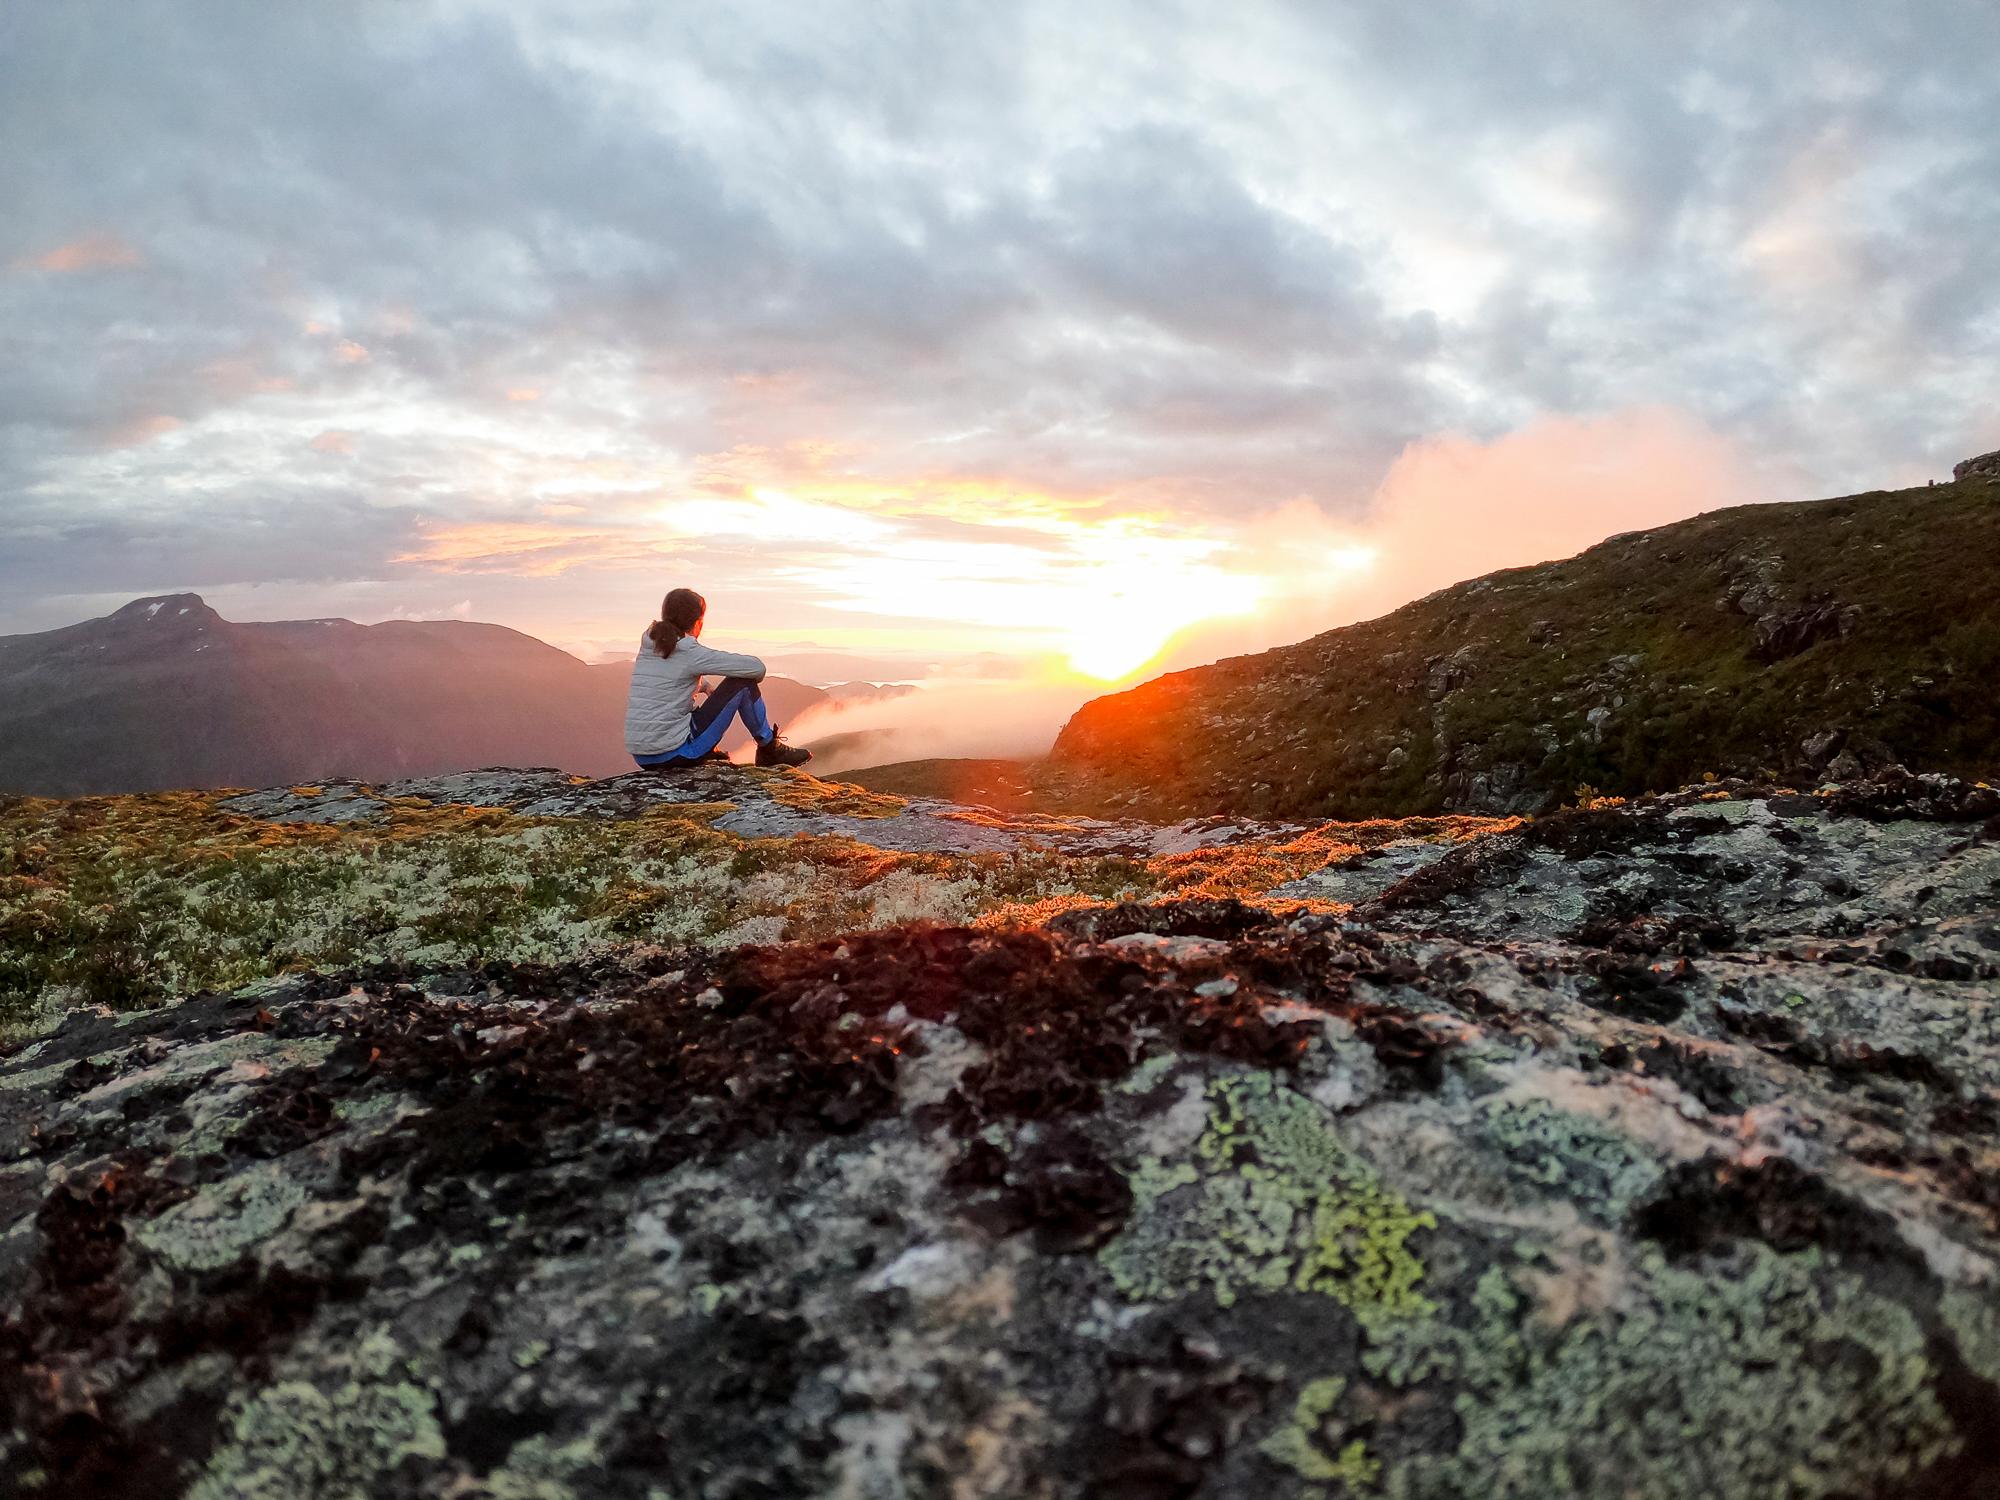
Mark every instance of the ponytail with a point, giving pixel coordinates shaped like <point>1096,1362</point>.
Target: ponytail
<point>680,612</point>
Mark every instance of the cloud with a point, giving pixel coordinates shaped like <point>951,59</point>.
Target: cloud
<point>1020,271</point>
<point>138,430</point>
<point>1454,507</point>
<point>1449,508</point>
<point>100,251</point>
<point>949,719</point>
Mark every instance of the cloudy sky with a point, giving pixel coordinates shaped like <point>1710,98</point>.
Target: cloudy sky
<point>939,333</point>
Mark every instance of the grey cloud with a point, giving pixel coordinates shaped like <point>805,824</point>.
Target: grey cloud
<point>1091,248</point>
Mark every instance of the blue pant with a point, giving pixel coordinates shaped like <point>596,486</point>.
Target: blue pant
<point>732,697</point>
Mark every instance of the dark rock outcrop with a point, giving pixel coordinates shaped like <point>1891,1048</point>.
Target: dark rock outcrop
<point>1985,466</point>
<point>1648,1149</point>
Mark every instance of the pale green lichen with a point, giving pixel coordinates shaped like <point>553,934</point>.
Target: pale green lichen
<point>34,1078</point>
<point>1300,1444</point>
<point>221,1224</point>
<point>297,1442</point>
<point>1149,1074</point>
<point>1606,1172</point>
<point>1973,1316</point>
<point>1778,1380</point>
<point>537,1469</point>
<point>1270,1202</point>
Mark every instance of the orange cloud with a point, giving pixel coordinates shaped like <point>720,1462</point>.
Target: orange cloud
<point>350,353</point>
<point>141,430</point>
<point>332,441</point>
<point>525,549</point>
<point>1452,508</point>
<point>94,252</point>
<point>524,393</point>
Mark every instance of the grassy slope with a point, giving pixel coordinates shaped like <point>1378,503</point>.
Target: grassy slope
<point>1310,729</point>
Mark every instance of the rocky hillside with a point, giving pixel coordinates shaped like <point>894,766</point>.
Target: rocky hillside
<point>1800,641</point>
<point>1648,1149</point>
<point>166,693</point>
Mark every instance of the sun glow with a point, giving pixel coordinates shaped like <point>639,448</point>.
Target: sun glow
<point>1018,575</point>
<point>1137,592</point>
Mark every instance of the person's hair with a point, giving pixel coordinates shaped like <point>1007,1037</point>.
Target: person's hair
<point>680,612</point>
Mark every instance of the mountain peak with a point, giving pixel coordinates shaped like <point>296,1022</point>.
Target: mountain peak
<point>182,608</point>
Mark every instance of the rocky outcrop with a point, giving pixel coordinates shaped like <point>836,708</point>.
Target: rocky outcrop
<point>1985,466</point>
<point>1648,1149</point>
<point>752,805</point>
<point>1719,645</point>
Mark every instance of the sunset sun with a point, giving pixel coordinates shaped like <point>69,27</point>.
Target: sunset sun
<point>1142,591</point>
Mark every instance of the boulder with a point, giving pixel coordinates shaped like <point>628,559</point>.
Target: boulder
<point>1651,1149</point>
<point>1985,466</point>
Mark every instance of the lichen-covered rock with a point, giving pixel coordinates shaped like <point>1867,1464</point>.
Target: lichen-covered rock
<point>751,804</point>
<point>126,901</point>
<point>1648,1150</point>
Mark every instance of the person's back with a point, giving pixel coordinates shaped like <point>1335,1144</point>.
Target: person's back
<point>663,725</point>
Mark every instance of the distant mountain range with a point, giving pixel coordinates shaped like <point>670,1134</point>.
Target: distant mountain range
<point>166,693</point>
<point>1806,641</point>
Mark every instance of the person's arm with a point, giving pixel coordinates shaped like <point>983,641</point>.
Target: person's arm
<point>712,663</point>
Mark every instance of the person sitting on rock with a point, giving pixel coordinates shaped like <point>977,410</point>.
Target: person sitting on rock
<point>664,726</point>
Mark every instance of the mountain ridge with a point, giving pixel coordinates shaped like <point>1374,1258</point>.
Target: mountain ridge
<point>165,693</point>
<point>1778,639</point>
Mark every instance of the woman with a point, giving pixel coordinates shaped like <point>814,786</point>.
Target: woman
<point>664,727</point>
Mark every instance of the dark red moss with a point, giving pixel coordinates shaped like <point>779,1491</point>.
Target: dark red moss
<point>1644,935</point>
<point>1697,1071</point>
<point>1636,991</point>
<point>1208,918</point>
<point>1169,1414</point>
<point>281,1118</point>
<point>72,1317</point>
<point>1061,1189</point>
<point>1703,1205</point>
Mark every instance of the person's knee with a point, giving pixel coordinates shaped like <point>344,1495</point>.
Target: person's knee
<point>745,685</point>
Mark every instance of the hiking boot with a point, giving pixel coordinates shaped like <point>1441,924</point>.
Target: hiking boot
<point>775,752</point>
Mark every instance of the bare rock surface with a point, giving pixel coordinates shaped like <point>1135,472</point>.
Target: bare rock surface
<point>760,808</point>
<point>1648,1150</point>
